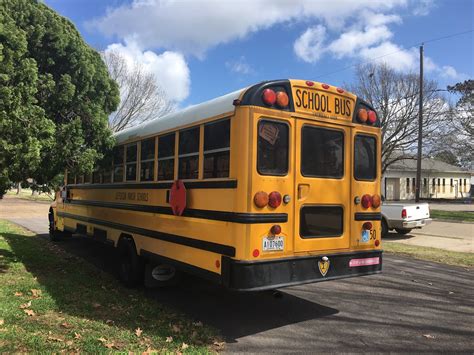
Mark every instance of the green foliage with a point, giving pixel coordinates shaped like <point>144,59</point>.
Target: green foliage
<point>55,95</point>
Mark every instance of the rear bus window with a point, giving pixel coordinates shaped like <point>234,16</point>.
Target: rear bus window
<point>166,157</point>
<point>365,160</point>
<point>272,147</point>
<point>216,149</point>
<point>322,152</point>
<point>321,221</point>
<point>188,154</point>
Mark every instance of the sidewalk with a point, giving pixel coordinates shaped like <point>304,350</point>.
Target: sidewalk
<point>443,235</point>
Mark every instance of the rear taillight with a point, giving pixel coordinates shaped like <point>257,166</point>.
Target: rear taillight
<point>275,230</point>
<point>269,97</point>
<point>362,115</point>
<point>260,199</point>
<point>274,199</point>
<point>371,117</point>
<point>367,226</point>
<point>376,201</point>
<point>366,201</point>
<point>404,213</point>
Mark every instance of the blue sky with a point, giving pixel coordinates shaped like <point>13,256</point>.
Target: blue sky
<point>202,49</point>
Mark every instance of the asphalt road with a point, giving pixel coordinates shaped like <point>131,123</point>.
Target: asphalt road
<point>413,306</point>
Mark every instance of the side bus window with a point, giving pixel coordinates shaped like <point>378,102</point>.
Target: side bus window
<point>166,157</point>
<point>96,177</point>
<point>118,163</point>
<point>188,153</point>
<point>272,147</point>
<point>365,157</point>
<point>131,162</point>
<point>216,149</point>
<point>322,152</point>
<point>147,160</point>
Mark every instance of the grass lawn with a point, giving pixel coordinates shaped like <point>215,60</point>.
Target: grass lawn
<point>26,194</point>
<point>431,254</point>
<point>51,301</point>
<point>453,215</point>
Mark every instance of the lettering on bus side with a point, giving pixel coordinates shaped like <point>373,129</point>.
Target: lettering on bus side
<point>317,101</point>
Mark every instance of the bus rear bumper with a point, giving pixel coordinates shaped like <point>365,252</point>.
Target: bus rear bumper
<point>271,274</point>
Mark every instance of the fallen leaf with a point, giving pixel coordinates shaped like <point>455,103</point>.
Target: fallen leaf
<point>430,283</point>
<point>176,329</point>
<point>109,345</point>
<point>18,294</point>
<point>2,322</point>
<point>219,344</point>
<point>30,312</point>
<point>96,305</point>
<point>109,321</point>
<point>138,332</point>
<point>102,340</point>
<point>66,325</point>
<point>184,346</point>
<point>429,336</point>
<point>55,339</point>
<point>77,335</point>
<point>69,342</point>
<point>36,293</point>
<point>169,339</point>
<point>25,305</point>
<point>451,292</point>
<point>197,324</point>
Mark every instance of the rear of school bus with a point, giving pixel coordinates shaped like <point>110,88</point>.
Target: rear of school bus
<point>313,170</point>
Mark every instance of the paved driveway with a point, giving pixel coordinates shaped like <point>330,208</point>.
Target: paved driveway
<point>412,306</point>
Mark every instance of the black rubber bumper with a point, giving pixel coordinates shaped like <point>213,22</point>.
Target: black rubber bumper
<point>270,274</point>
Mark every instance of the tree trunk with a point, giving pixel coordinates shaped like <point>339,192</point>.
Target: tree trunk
<point>18,188</point>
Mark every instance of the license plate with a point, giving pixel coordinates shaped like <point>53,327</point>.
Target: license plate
<point>272,244</point>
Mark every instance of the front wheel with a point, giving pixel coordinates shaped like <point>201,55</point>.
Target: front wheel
<point>402,231</point>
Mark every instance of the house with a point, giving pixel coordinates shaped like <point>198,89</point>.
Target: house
<point>438,180</point>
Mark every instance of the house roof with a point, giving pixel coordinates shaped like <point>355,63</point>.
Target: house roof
<point>427,164</point>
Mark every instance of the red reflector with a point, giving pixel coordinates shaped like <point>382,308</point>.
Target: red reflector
<point>269,97</point>
<point>339,90</point>
<point>364,262</point>
<point>276,229</point>
<point>309,83</point>
<point>366,201</point>
<point>274,199</point>
<point>218,264</point>
<point>256,253</point>
<point>367,226</point>
<point>377,242</point>
<point>325,86</point>
<point>372,117</point>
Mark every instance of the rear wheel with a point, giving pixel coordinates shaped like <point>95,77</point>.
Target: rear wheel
<point>131,266</point>
<point>384,228</point>
<point>54,234</point>
<point>403,231</point>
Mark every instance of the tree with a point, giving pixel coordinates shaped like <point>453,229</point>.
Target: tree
<point>55,96</point>
<point>395,98</point>
<point>141,99</point>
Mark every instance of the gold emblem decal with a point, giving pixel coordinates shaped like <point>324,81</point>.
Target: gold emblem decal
<point>323,265</point>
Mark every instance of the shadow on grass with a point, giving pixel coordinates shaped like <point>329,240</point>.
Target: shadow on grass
<point>76,285</point>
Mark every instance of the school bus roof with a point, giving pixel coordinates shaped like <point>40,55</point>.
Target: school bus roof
<point>214,107</point>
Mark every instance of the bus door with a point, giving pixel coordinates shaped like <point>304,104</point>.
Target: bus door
<point>323,182</point>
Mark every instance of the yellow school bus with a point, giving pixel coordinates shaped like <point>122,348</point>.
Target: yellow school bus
<point>273,185</point>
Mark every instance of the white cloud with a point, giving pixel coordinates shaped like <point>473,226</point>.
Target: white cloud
<point>309,46</point>
<point>239,66</point>
<point>194,26</point>
<point>423,7</point>
<point>170,68</point>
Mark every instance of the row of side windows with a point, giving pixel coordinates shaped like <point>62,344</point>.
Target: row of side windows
<point>128,165</point>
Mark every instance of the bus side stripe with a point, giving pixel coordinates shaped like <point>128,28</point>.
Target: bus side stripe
<point>172,238</point>
<point>236,217</point>
<point>222,184</point>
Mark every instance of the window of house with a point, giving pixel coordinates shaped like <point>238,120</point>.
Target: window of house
<point>408,185</point>
<point>131,162</point>
<point>272,147</point>
<point>166,157</point>
<point>118,163</point>
<point>188,154</point>
<point>147,160</point>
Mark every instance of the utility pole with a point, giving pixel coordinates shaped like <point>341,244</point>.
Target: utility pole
<point>420,130</point>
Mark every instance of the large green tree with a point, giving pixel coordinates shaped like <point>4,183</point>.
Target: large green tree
<point>55,95</point>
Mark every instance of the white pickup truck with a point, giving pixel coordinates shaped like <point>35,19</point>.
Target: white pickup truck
<point>404,217</point>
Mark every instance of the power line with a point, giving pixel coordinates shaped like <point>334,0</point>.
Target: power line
<point>399,50</point>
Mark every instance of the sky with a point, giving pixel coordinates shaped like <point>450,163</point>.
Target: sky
<point>201,49</point>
